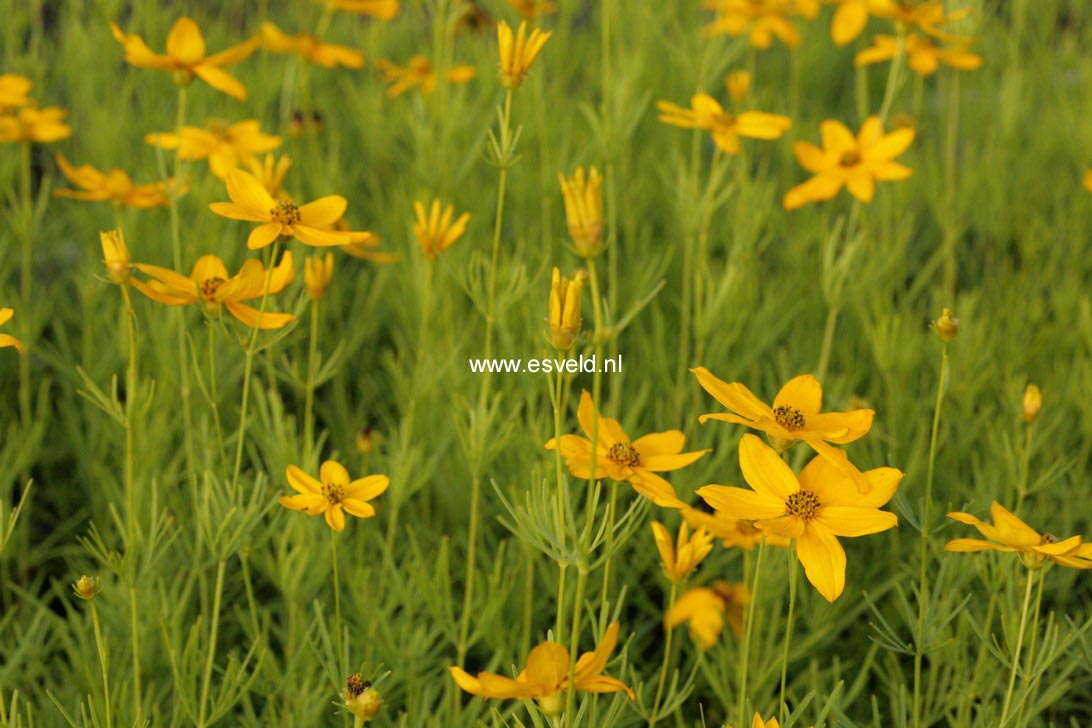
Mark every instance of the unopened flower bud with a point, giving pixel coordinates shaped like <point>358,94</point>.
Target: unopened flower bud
<point>564,317</point>
<point>947,326</point>
<point>86,587</point>
<point>115,256</point>
<point>584,211</point>
<point>317,272</point>
<point>1033,402</point>
<point>361,699</point>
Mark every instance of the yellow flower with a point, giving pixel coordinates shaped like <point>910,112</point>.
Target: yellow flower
<point>851,17</point>
<point>310,224</point>
<point>738,84</point>
<point>518,52</point>
<point>87,587</point>
<point>583,198</point>
<point>420,74</point>
<point>6,339</point>
<point>531,9</point>
<point>333,494</point>
<point>210,286</point>
<point>813,509</point>
<point>761,20</point>
<point>947,326</point>
<point>682,557</point>
<point>224,146</point>
<point>270,171</point>
<point>379,9</point>
<point>311,48</point>
<point>924,55</point>
<point>115,256</point>
<point>757,722</point>
<point>546,676</point>
<point>565,309</point>
<point>13,90</point>
<point>361,699</point>
<point>1033,402</point>
<point>845,161</point>
<point>618,458</point>
<point>732,531</point>
<point>705,112</point>
<point>113,186</point>
<point>434,229</point>
<point>705,610</point>
<point>362,247</point>
<point>317,273</point>
<point>925,16</point>
<point>1088,180</point>
<point>1014,536</point>
<point>185,57</point>
<point>32,124</point>
<point>794,416</point>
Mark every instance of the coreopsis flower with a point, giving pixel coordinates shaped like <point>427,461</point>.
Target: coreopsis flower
<point>851,17</point>
<point>947,326</point>
<point>855,163</point>
<point>1032,403</point>
<point>564,316</point>
<point>733,532</point>
<point>317,272</point>
<point>434,229</point>
<point>378,9</point>
<point>681,557</point>
<point>924,54</point>
<point>617,457</point>
<point>361,699</point>
<point>705,609</point>
<point>113,186</point>
<point>518,51</point>
<point>738,84</point>
<point>333,494</point>
<point>310,224</point>
<point>531,9</point>
<point>210,286</point>
<point>270,171</point>
<point>794,416</point>
<point>583,197</point>
<point>813,509</point>
<point>87,587</point>
<point>32,124</point>
<point>367,440</point>
<point>224,146</point>
<point>757,722</point>
<point>186,58</point>
<point>1010,534</point>
<point>310,48</point>
<point>927,17</point>
<point>546,676</point>
<point>7,340</point>
<point>13,90</point>
<point>115,256</point>
<point>420,74</point>
<point>761,20</point>
<point>706,113</point>
<point>1088,180</point>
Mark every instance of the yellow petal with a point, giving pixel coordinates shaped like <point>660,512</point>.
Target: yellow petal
<point>301,481</point>
<point>742,503</point>
<point>765,471</point>
<point>221,80</point>
<point>824,562</point>
<point>734,396</point>
<point>334,472</point>
<point>335,518</point>
<point>803,393</point>
<point>185,43</point>
<point>368,487</point>
<point>855,521</point>
<point>309,503</point>
<point>323,211</point>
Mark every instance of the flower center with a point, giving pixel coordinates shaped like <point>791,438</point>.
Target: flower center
<point>333,492</point>
<point>285,213</point>
<point>724,119</point>
<point>355,685</point>
<point>209,286</point>
<point>788,417</point>
<point>850,159</point>
<point>803,504</point>
<point>1048,538</point>
<point>624,454</point>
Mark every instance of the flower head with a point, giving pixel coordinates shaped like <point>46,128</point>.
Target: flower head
<point>13,90</point>
<point>680,558</point>
<point>361,699</point>
<point>947,326</point>
<point>813,509</point>
<point>546,676</point>
<point>379,9</point>
<point>618,458</point>
<point>435,230</point>
<point>317,272</point>
<point>113,186</point>
<point>583,196</point>
<point>115,256</point>
<point>224,146</point>
<point>732,531</point>
<point>32,124</point>
<point>1032,403</point>
<point>924,54</point>
<point>420,74</point>
<point>518,52</point>
<point>87,587</point>
<point>705,609</point>
<point>310,48</point>
<point>7,340</point>
<point>564,316</point>
<point>761,20</point>
<point>925,16</point>
<point>1010,534</point>
<point>705,112</point>
<point>333,494</point>
<point>186,58</point>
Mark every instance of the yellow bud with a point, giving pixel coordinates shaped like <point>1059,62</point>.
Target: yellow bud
<point>518,51</point>
<point>564,317</point>
<point>1033,402</point>
<point>739,85</point>
<point>317,273</point>
<point>947,326</point>
<point>584,211</point>
<point>86,587</point>
<point>115,256</point>
<point>361,699</point>
<point>367,440</point>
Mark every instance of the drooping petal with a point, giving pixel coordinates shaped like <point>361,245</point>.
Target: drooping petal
<point>592,663</point>
<point>358,508</point>
<point>655,488</point>
<point>603,684</point>
<point>824,561</point>
<point>321,238</point>
<point>820,188</point>
<point>221,80</point>
<point>735,396</point>
<point>263,235</point>
<point>972,545</point>
<point>301,481</point>
<point>490,685</point>
<point>803,393</point>
<point>309,503</point>
<point>335,518</point>
<point>254,318</point>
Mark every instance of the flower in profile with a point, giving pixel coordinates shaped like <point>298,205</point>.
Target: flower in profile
<point>757,722</point>
<point>855,163</point>
<point>115,256</point>
<point>310,48</point>
<point>794,416</point>
<point>924,54</point>
<point>378,9</point>
<point>13,90</point>
<point>706,113</point>
<point>434,228</point>
<point>310,224</point>
<point>583,197</point>
<point>1009,534</point>
<point>733,532</point>
<point>681,557</point>
<point>7,340</point>
<point>518,52</point>
<point>420,74</point>
<point>32,124</point>
<point>333,494</point>
<point>546,676</point>
<point>705,609</point>
<point>531,9</point>
<point>927,17</point>
<point>186,58</point>
<point>224,146</point>
<point>210,286</point>
<point>618,458</point>
<point>1033,402</point>
<point>317,272</point>
<point>761,20</point>
<point>113,186</point>
<point>270,171</point>
<point>738,84</point>
<point>813,509</point>
<point>362,700</point>
<point>564,316</point>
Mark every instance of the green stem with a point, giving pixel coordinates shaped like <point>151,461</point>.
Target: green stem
<point>745,652</point>
<point>214,633</point>
<point>562,508</point>
<point>1029,677</point>
<point>828,342</point>
<point>490,316</point>
<point>338,639</point>
<point>1016,653</point>
<point>574,642</point>
<point>130,490</point>
<point>893,76</point>
<point>663,667</point>
<point>104,664</point>
<point>309,391</point>
<point>701,270</point>
<point>1025,471</point>
<point>214,397</point>
<point>26,281</point>
<point>793,564</point>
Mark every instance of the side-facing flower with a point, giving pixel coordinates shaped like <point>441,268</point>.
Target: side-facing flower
<point>270,171</point>
<point>564,318</point>
<point>115,256</point>
<point>13,90</point>
<point>317,272</point>
<point>113,186</point>
<point>705,609</point>
<point>733,532</point>
<point>681,557</point>
<point>7,339</point>
<point>518,51</point>
<point>310,48</point>
<point>32,124</point>
<point>1010,534</point>
<point>378,9</point>
<point>924,54</point>
<point>813,509</point>
<point>761,20</point>
<point>705,112</point>
<point>583,197</point>
<point>738,84</point>
<point>420,74</point>
<point>225,146</point>
<point>435,231</point>
<point>333,494</point>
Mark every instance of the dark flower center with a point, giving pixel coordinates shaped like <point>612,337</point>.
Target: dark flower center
<point>1048,538</point>
<point>209,286</point>
<point>624,454</point>
<point>285,213</point>
<point>850,159</point>
<point>788,417</point>
<point>333,492</point>
<point>803,504</point>
<point>355,685</point>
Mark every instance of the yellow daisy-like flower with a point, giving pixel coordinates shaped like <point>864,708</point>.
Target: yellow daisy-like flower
<point>761,20</point>
<point>434,229</point>
<point>115,256</point>
<point>583,197</point>
<point>333,494</point>
<point>706,609</point>
<point>813,509</point>
<point>546,676</point>
<point>310,224</point>
<point>531,9</point>
<point>564,318</point>
<point>855,163</point>
<point>518,51</point>
<point>224,146</point>
<point>420,74</point>
<point>113,186</point>
<point>618,458</point>
<point>733,532</point>
<point>13,90</point>
<point>378,9</point>
<point>32,124</point>
<point>6,339</point>
<point>186,58</point>
<point>680,558</point>
<point>310,48</point>
<point>317,273</point>
<point>705,112</point>
<point>924,55</point>
<point>924,16</point>
<point>1010,534</point>
<point>270,171</point>
<point>210,286</point>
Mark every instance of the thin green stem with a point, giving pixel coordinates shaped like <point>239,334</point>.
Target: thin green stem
<point>701,269</point>
<point>338,639</point>
<point>1025,470</point>
<point>893,76</point>
<point>214,396</point>
<point>251,602</point>
<point>26,281</point>
<point>1029,678</point>
<point>214,633</point>
<point>745,651</point>
<point>309,390</point>
<point>130,492</point>
<point>793,569</point>
<point>828,342</point>
<point>574,642</point>
<point>562,507</point>
<point>490,316</point>
<point>104,664</point>
<point>666,662</point>
<point>1016,653</point>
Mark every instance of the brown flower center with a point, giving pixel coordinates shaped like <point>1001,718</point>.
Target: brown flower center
<point>285,213</point>
<point>333,492</point>
<point>209,286</point>
<point>624,454</point>
<point>803,504</point>
<point>850,159</point>
<point>788,417</point>
<point>1048,538</point>
<point>355,685</point>
<point>724,119</point>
